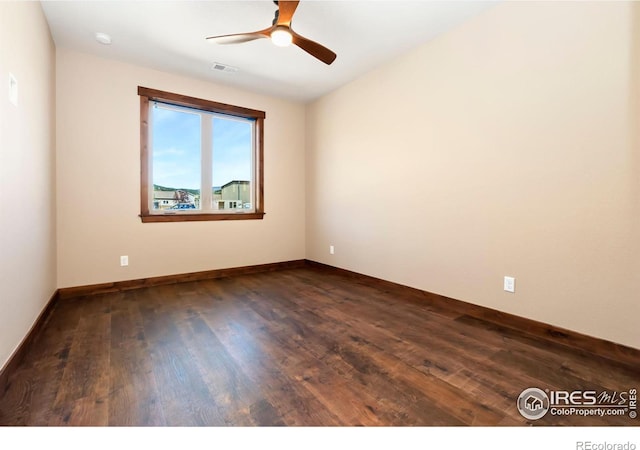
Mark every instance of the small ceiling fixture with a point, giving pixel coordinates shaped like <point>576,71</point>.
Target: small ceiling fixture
<point>103,38</point>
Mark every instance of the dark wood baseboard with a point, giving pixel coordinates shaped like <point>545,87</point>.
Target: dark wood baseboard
<point>585,344</point>
<point>19,354</point>
<point>118,286</point>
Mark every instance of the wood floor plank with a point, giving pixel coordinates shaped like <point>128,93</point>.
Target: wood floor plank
<point>233,393</point>
<point>298,347</point>
<point>244,334</point>
<point>184,396</point>
<point>84,388</point>
<point>313,373</point>
<point>334,347</point>
<point>33,388</point>
<point>133,397</point>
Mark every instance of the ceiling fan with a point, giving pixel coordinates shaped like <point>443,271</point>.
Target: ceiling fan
<point>281,34</point>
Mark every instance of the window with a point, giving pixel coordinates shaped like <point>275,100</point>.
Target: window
<point>200,160</point>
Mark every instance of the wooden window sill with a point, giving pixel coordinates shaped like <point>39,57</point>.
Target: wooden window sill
<point>199,217</point>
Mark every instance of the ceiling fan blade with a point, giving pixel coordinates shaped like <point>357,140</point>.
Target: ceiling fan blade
<point>313,48</point>
<point>286,8</point>
<point>240,37</point>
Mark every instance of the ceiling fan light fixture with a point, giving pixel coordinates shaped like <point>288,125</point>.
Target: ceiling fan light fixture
<point>281,37</point>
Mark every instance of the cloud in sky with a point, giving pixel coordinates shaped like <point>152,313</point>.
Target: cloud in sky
<point>231,151</point>
<point>176,149</point>
<point>168,152</point>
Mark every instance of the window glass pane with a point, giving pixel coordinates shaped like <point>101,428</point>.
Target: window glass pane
<point>176,159</point>
<point>232,164</point>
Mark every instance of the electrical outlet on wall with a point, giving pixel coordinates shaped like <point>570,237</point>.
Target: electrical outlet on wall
<point>509,284</point>
<point>332,250</point>
<point>124,261</point>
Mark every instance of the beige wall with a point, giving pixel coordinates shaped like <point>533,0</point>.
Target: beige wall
<point>508,146</point>
<point>27,176</point>
<point>98,166</point>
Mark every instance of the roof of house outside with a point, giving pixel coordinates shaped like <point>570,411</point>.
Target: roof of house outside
<point>164,195</point>
<point>234,182</point>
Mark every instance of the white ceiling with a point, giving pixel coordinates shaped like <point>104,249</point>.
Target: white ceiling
<point>170,36</point>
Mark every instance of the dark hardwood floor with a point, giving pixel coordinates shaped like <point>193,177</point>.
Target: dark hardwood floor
<point>294,347</point>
